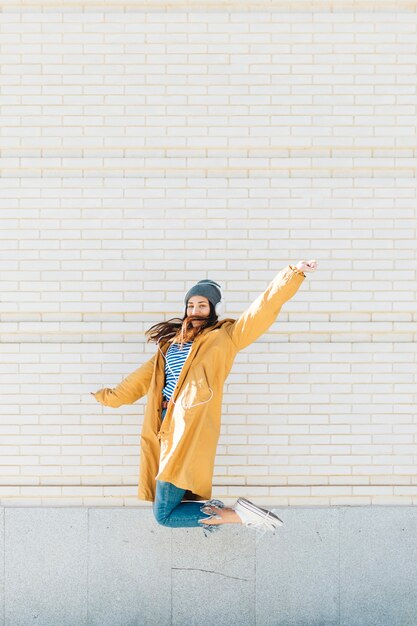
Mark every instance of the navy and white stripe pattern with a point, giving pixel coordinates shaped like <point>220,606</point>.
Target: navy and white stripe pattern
<point>175,358</point>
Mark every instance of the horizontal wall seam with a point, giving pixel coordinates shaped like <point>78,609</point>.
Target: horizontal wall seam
<point>292,6</point>
<point>4,315</point>
<point>219,485</point>
<point>62,151</point>
<point>296,337</point>
<point>191,173</point>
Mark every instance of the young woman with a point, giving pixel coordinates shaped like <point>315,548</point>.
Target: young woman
<point>184,386</point>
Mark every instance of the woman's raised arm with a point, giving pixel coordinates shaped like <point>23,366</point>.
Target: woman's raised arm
<point>263,311</point>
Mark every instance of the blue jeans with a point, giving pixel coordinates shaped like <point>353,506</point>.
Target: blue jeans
<point>170,511</point>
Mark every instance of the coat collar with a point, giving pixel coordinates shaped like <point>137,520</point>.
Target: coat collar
<point>165,346</point>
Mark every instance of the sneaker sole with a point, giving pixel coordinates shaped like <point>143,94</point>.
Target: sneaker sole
<point>253,507</point>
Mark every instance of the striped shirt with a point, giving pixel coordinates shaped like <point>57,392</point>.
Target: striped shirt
<point>175,358</point>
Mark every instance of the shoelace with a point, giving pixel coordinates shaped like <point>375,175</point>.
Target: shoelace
<point>211,528</point>
<point>258,526</point>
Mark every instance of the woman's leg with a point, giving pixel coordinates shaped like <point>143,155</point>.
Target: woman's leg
<point>169,510</point>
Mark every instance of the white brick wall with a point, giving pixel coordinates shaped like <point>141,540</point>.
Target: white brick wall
<point>145,148</point>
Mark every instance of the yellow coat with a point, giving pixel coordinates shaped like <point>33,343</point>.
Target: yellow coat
<point>182,448</point>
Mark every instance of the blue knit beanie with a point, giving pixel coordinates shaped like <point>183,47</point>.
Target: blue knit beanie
<point>207,288</point>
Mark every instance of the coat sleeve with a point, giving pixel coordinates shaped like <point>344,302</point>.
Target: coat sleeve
<point>261,314</point>
<point>133,387</point>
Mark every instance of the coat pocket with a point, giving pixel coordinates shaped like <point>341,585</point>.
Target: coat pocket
<point>197,389</point>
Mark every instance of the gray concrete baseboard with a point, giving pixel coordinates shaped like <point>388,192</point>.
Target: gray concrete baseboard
<point>115,566</point>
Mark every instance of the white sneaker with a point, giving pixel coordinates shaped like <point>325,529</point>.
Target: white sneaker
<point>255,517</point>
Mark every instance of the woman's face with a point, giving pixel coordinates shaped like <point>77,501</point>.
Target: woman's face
<point>198,305</point>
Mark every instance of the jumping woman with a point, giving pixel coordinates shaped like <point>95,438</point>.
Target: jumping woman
<point>184,385</point>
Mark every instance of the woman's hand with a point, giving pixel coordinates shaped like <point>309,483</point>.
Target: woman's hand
<point>307,266</point>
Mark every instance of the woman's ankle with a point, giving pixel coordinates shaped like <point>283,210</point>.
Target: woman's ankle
<point>226,515</point>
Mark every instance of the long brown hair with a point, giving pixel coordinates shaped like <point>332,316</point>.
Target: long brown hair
<point>181,328</point>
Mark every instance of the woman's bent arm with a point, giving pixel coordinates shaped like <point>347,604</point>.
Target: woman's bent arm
<point>133,387</point>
